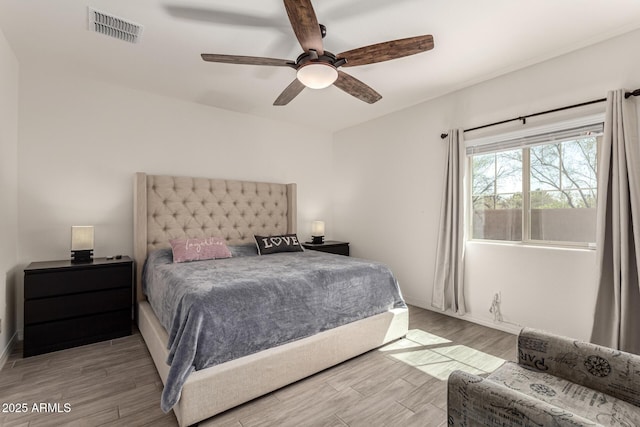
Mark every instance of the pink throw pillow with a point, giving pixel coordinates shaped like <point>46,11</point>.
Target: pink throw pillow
<point>200,248</point>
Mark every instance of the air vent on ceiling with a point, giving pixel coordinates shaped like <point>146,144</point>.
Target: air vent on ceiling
<point>113,26</point>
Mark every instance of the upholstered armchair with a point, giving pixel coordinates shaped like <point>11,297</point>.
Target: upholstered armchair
<point>556,382</point>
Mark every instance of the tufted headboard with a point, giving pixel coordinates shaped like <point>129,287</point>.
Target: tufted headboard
<point>170,207</point>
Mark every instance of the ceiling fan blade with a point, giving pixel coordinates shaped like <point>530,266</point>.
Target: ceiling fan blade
<point>305,24</point>
<point>356,88</point>
<point>289,93</point>
<point>247,60</point>
<point>387,50</point>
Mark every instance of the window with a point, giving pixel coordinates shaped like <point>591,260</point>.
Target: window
<point>536,186</point>
<point>497,195</point>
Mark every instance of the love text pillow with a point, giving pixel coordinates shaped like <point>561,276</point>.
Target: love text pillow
<point>272,244</point>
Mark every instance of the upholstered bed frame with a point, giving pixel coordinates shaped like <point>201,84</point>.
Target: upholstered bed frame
<point>167,207</point>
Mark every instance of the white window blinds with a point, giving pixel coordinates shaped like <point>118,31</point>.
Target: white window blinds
<point>557,132</point>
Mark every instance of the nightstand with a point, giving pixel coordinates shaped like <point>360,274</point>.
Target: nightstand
<point>67,304</point>
<point>330,246</point>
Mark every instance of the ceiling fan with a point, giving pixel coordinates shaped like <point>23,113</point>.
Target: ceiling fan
<point>317,68</point>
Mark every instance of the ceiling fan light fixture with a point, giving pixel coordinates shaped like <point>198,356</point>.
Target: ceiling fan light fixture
<point>317,75</point>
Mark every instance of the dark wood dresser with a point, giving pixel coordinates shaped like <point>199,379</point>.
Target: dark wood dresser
<point>67,304</point>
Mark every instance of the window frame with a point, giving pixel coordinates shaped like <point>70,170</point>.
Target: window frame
<point>526,240</point>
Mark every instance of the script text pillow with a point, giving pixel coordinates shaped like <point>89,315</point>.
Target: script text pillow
<point>273,244</point>
<point>200,248</point>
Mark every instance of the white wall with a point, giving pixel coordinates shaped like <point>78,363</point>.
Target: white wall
<point>389,172</point>
<point>8,192</point>
<point>81,141</point>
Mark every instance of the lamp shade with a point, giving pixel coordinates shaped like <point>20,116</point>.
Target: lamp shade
<point>317,75</point>
<point>82,237</point>
<point>317,228</point>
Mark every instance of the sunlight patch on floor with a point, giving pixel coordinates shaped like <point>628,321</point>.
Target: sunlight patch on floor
<point>420,357</point>
<point>441,371</point>
<point>400,344</point>
<point>471,357</point>
<point>431,354</point>
<point>425,338</point>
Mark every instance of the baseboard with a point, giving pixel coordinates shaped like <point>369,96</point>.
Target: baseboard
<point>7,350</point>
<point>508,327</point>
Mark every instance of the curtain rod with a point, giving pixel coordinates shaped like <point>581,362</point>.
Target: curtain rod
<point>555,110</point>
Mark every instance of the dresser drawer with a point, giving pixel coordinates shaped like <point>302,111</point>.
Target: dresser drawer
<point>64,307</point>
<point>336,249</point>
<point>51,336</point>
<point>330,246</point>
<point>42,284</point>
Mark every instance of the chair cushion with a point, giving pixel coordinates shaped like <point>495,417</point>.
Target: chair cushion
<point>590,404</point>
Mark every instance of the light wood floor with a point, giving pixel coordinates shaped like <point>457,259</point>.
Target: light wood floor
<point>114,383</point>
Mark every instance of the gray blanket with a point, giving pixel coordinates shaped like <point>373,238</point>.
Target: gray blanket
<point>219,310</point>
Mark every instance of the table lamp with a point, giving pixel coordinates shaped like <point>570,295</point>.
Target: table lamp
<point>317,232</point>
<point>81,243</point>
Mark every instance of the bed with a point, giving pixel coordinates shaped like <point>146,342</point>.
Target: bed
<point>169,207</point>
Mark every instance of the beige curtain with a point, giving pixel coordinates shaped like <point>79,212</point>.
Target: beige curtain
<point>617,312</point>
<point>448,286</point>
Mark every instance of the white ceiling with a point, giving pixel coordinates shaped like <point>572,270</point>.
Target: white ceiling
<point>474,41</point>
